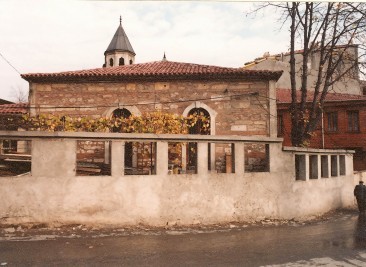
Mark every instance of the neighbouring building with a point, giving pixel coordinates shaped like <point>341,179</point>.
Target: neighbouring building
<point>363,87</point>
<point>10,114</point>
<point>349,84</point>
<point>14,155</point>
<point>343,124</point>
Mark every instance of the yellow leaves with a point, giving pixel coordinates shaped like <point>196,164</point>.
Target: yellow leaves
<point>154,122</point>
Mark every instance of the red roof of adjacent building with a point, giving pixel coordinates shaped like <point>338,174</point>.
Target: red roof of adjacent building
<point>20,108</point>
<point>158,70</point>
<point>284,96</point>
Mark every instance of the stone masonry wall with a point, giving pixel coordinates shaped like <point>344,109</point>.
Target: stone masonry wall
<point>236,115</point>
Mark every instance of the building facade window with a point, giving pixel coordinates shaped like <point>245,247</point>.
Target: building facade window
<point>280,126</point>
<point>111,62</point>
<point>332,121</point>
<point>121,113</point>
<point>353,121</point>
<point>121,61</point>
<point>131,62</point>
<point>8,146</point>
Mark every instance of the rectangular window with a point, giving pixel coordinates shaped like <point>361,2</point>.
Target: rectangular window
<point>15,157</point>
<point>280,126</point>
<point>324,166</point>
<point>342,165</point>
<point>300,168</point>
<point>333,165</point>
<point>224,158</point>
<point>332,121</point>
<point>140,158</point>
<point>313,167</point>
<point>93,158</point>
<point>9,146</point>
<point>353,121</point>
<point>256,157</point>
<point>182,158</point>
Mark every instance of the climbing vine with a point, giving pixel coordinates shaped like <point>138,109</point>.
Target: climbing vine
<point>154,122</point>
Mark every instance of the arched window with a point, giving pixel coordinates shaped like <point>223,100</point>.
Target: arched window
<point>198,127</point>
<point>121,113</point>
<point>111,62</point>
<point>121,61</point>
<point>131,61</point>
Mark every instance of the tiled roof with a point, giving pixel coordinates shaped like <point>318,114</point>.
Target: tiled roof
<point>158,70</point>
<point>284,96</point>
<point>20,108</point>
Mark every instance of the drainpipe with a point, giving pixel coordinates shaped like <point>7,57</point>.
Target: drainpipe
<point>322,129</point>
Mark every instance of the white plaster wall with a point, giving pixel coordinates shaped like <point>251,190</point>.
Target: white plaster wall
<point>53,158</point>
<point>116,56</point>
<point>54,194</point>
<point>156,201</point>
<point>349,86</point>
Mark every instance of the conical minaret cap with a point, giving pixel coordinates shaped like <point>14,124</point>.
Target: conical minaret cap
<point>120,41</point>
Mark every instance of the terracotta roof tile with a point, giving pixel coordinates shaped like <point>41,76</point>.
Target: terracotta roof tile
<point>284,96</point>
<point>20,108</point>
<point>154,70</point>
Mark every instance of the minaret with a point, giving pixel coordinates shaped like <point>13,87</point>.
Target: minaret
<point>119,51</point>
<point>164,57</point>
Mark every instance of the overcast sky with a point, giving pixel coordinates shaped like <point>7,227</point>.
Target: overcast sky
<point>54,36</point>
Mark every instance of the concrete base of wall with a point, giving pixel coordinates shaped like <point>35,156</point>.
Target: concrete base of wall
<point>158,200</point>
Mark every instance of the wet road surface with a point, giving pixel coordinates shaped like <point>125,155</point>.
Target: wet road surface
<point>338,241</point>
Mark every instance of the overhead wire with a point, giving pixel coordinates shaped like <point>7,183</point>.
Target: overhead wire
<point>11,65</point>
<point>118,105</point>
<point>228,97</point>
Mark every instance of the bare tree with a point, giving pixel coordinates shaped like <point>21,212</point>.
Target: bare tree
<point>333,31</point>
<point>19,95</point>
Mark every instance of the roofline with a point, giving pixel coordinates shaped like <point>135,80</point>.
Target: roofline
<point>300,51</point>
<point>14,109</point>
<point>118,50</point>
<point>267,75</point>
<point>276,56</point>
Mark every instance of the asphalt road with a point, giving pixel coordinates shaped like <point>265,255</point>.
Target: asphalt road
<point>338,241</point>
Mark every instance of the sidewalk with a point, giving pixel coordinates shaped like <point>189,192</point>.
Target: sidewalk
<point>50,232</point>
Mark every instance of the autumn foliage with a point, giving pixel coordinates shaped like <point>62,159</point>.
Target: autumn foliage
<point>154,122</point>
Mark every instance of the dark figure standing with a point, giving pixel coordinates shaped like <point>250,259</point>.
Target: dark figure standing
<point>360,194</point>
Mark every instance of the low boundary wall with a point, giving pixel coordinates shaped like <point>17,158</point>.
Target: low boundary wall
<point>53,193</point>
